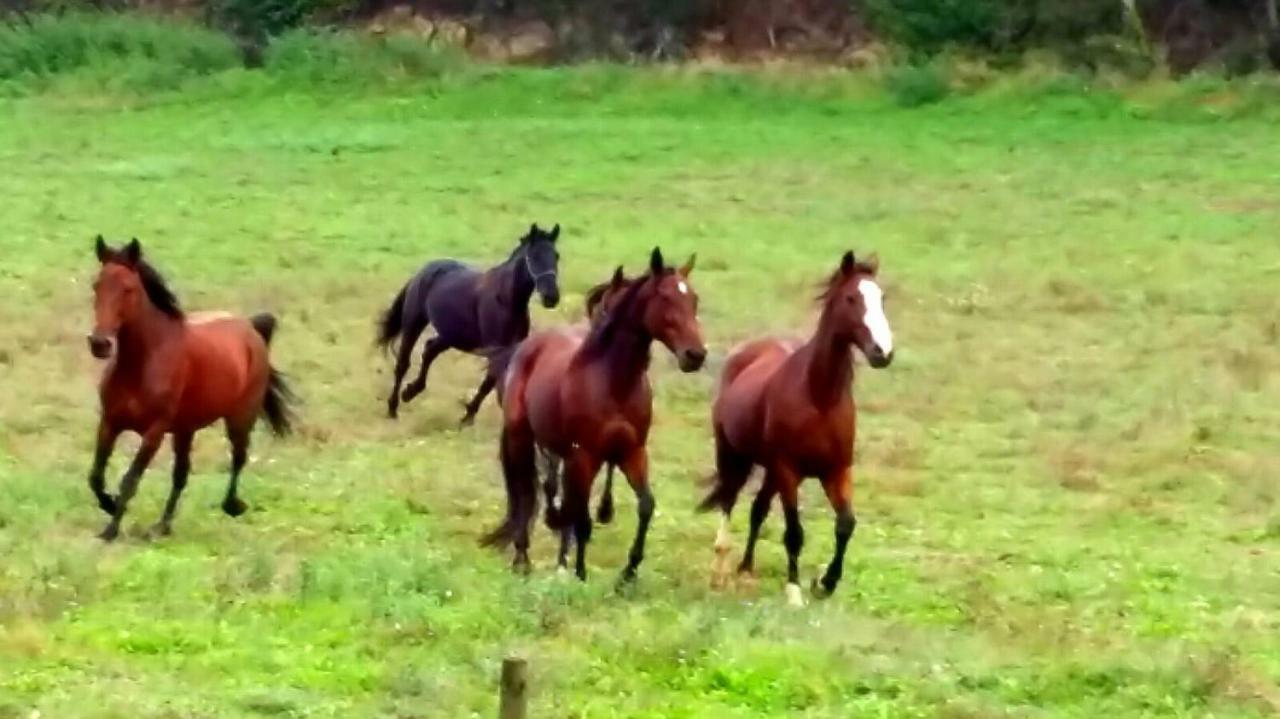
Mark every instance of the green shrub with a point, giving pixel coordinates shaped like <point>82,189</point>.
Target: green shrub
<point>313,56</point>
<point>45,46</point>
<point>917,85</point>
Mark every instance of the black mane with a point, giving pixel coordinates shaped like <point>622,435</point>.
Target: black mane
<point>157,290</point>
<point>601,334</point>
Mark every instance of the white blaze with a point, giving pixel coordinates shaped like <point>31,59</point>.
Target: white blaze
<point>876,322</point>
<point>684,289</point>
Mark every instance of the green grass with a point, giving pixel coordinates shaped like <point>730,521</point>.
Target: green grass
<point>1065,484</point>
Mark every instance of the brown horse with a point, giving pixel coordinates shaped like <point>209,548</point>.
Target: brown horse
<point>788,408</point>
<point>174,374</point>
<point>587,399</point>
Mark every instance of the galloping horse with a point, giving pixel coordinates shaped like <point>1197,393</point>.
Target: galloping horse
<point>174,374</point>
<point>471,311</point>
<point>789,408</point>
<point>587,400</point>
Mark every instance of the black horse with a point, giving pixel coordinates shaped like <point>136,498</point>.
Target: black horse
<point>471,310</point>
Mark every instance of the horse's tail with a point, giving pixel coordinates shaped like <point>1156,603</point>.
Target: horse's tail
<point>521,479</point>
<point>392,320</point>
<point>278,405</point>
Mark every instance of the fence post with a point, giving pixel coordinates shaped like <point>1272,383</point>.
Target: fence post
<point>514,698</point>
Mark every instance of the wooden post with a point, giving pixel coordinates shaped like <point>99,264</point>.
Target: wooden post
<point>514,701</point>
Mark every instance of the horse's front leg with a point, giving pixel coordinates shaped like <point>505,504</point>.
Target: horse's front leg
<point>151,440</point>
<point>839,489</point>
<point>580,469</point>
<point>636,469</point>
<point>106,443</point>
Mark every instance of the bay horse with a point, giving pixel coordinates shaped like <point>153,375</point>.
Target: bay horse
<point>586,398</point>
<point>789,408</point>
<point>471,310</point>
<point>174,374</point>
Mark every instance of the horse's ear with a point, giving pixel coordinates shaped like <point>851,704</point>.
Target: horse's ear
<point>618,278</point>
<point>688,266</point>
<point>656,265</point>
<point>555,233</point>
<point>847,263</point>
<point>133,251</point>
<point>533,232</point>
<point>100,247</point>
<point>872,262</point>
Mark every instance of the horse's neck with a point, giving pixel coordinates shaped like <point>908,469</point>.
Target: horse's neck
<point>625,355</point>
<point>139,339</point>
<point>516,284</point>
<point>830,369</point>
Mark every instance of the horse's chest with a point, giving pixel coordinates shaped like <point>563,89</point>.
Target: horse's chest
<point>814,441</point>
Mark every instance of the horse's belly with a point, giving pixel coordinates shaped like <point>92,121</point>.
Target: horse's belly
<point>739,409</point>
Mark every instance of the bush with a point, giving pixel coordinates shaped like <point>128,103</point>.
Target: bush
<point>917,85</point>
<point>325,56</point>
<point>45,46</point>
<point>995,26</point>
<point>261,19</point>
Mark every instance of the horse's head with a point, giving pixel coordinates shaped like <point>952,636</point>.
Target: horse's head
<point>124,288</point>
<point>118,295</point>
<point>671,312</point>
<point>541,261</point>
<point>854,309</point>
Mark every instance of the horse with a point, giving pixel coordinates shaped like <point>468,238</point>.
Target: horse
<point>586,398</point>
<point>789,408</point>
<point>599,300</point>
<point>173,374</point>
<point>471,310</point>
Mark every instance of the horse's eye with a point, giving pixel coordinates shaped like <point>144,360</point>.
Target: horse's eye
<point>850,299</point>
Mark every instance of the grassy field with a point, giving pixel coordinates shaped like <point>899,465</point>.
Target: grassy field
<point>1066,483</point>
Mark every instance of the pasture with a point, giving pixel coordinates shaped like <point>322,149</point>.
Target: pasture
<point>1066,483</point>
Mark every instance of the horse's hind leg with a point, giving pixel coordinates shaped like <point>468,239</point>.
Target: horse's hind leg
<point>472,407</point>
<point>759,511</point>
<point>604,513</point>
<point>580,469</point>
<point>839,488</point>
<point>238,435</point>
<point>404,358</point>
<point>151,440</point>
<point>433,349</point>
<point>107,436</point>
<point>732,472</point>
<point>181,469</point>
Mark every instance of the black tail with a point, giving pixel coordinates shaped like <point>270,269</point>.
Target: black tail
<point>277,406</point>
<point>392,321</point>
<point>265,324</point>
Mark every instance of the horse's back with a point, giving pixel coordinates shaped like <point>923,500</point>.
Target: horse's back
<point>227,369</point>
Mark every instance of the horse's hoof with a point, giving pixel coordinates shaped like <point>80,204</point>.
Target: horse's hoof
<point>110,533</point>
<point>819,591</point>
<point>159,530</point>
<point>466,421</point>
<point>409,393</point>
<point>234,507</point>
<point>795,595</point>
<point>605,514</point>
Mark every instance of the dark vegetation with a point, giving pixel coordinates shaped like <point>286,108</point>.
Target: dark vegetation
<point>1234,36</point>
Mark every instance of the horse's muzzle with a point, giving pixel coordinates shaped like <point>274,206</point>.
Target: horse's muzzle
<point>692,360</point>
<point>550,299</point>
<point>878,358</point>
<point>100,346</point>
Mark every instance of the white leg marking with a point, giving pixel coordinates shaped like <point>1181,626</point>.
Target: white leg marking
<point>795,595</point>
